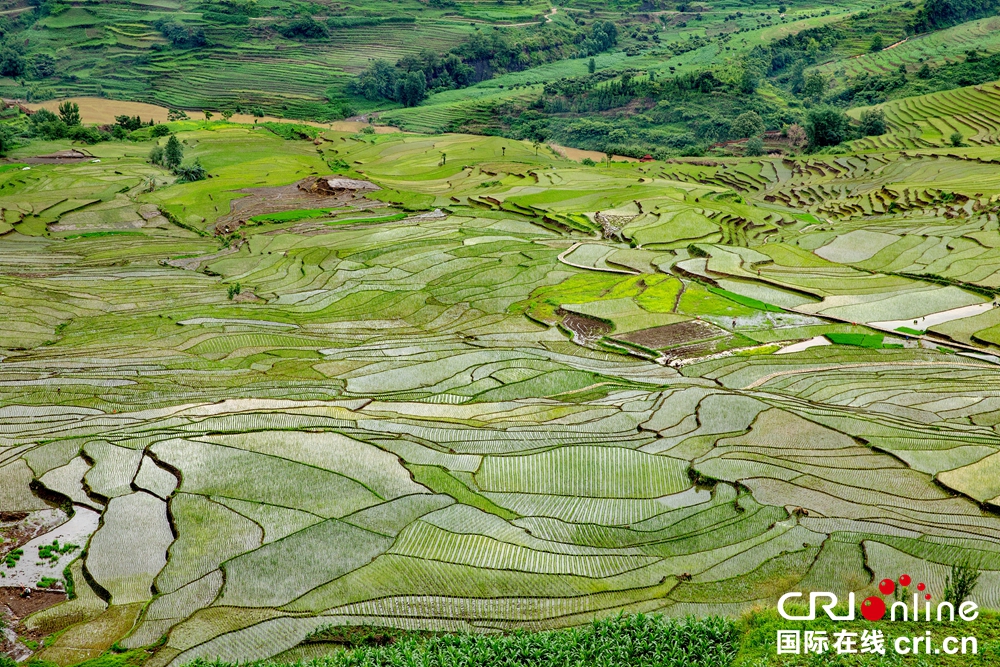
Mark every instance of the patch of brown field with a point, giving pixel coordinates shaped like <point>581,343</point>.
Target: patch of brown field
<point>101,111</point>
<point>584,329</point>
<point>578,154</point>
<point>21,606</point>
<point>673,335</point>
<point>308,193</point>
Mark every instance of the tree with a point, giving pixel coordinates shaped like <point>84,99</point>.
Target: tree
<point>208,115</point>
<point>160,131</point>
<point>375,83</point>
<point>873,122</point>
<point>748,125</point>
<point>7,139</point>
<point>156,155</point>
<point>411,89</point>
<point>943,13</point>
<point>69,113</point>
<point>877,44</point>
<point>173,153</point>
<point>814,85</point>
<point>43,65</point>
<point>128,123</point>
<point>958,586</point>
<point>826,127</point>
<point>924,72</point>
<point>748,81</point>
<point>797,135</point>
<point>956,139</point>
<point>11,62</point>
<point>591,66</point>
<point>227,114</point>
<point>755,147</point>
<point>304,28</point>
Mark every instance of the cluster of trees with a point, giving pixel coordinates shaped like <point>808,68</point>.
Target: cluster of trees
<point>305,28</point>
<point>382,81</point>
<point>66,125</point>
<point>483,56</point>
<point>938,14</point>
<point>180,35</point>
<point>828,126</point>
<point>171,156</point>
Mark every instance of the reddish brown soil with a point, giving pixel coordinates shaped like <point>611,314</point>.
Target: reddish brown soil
<point>23,606</point>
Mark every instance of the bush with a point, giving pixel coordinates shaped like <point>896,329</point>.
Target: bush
<point>587,162</point>
<point>755,147</point>
<point>191,172</point>
<point>956,139</point>
<point>160,130</point>
<point>958,586</point>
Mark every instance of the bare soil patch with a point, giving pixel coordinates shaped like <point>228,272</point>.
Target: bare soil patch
<point>313,192</point>
<point>21,606</point>
<point>673,335</point>
<point>584,329</point>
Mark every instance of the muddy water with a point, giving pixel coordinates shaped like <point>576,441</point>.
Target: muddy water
<point>29,569</point>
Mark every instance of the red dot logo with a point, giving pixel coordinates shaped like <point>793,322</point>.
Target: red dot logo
<point>927,597</point>
<point>905,580</point>
<point>873,608</point>
<point>921,586</point>
<point>887,587</point>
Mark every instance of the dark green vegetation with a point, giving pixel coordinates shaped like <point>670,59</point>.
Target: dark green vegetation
<point>633,641</point>
<point>629,77</point>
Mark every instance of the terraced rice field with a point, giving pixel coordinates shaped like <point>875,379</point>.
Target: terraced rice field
<point>517,392</point>
<point>931,120</point>
<point>934,48</point>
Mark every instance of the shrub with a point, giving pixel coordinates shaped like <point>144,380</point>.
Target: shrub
<point>755,147</point>
<point>958,585</point>
<point>956,139</point>
<point>191,172</point>
<point>160,131</point>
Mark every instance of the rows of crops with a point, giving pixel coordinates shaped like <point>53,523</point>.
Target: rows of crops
<point>535,394</point>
